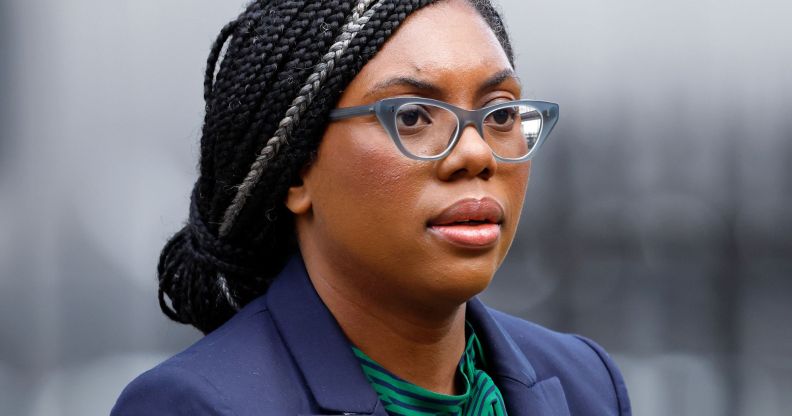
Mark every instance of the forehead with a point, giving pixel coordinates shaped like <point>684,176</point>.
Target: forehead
<point>447,43</point>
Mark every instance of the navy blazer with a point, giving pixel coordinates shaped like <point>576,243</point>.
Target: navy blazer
<point>284,354</point>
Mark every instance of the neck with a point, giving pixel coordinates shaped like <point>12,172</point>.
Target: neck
<point>420,345</point>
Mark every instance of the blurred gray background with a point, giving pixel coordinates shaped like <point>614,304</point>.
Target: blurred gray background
<point>657,222</point>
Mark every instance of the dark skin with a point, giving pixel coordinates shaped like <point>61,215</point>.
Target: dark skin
<point>396,288</point>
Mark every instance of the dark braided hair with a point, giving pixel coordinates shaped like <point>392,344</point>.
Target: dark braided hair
<point>284,66</point>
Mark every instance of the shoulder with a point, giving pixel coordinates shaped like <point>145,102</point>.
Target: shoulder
<point>237,369</point>
<point>173,390</point>
<point>585,370</point>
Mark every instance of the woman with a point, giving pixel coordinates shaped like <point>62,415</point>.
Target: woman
<point>363,168</point>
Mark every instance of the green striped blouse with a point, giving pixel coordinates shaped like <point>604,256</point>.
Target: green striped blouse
<point>402,398</point>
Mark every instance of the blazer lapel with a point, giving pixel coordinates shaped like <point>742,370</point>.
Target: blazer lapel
<point>512,372</point>
<point>319,347</point>
<point>333,373</point>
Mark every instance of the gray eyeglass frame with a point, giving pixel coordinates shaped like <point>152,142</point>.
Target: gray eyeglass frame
<point>385,110</point>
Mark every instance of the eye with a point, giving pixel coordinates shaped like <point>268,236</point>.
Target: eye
<point>410,115</point>
<point>501,119</point>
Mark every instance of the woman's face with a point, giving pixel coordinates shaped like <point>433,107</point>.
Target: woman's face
<point>389,225</point>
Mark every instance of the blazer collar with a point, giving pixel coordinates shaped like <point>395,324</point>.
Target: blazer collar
<point>511,370</point>
<point>318,345</point>
<point>333,373</point>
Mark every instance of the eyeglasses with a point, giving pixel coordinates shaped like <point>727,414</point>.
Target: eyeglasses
<point>427,129</point>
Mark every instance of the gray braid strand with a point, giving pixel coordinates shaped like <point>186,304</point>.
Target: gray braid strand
<point>360,16</point>
<point>222,283</point>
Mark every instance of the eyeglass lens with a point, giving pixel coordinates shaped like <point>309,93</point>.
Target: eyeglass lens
<point>426,130</point>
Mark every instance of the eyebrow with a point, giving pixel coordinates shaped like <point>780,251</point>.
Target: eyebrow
<point>403,81</point>
<point>499,78</point>
<point>429,88</point>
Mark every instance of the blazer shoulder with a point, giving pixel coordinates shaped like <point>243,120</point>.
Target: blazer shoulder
<point>168,389</point>
<point>583,366</point>
<point>242,367</point>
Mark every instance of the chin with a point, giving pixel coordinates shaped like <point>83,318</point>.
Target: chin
<point>459,281</point>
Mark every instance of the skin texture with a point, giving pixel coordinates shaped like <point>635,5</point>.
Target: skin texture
<point>397,288</point>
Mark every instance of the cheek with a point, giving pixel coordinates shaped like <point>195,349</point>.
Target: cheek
<point>366,190</point>
<point>515,182</point>
<point>518,182</point>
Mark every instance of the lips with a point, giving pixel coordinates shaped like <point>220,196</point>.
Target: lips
<point>470,223</point>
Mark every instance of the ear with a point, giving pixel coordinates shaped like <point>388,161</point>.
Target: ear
<point>298,199</point>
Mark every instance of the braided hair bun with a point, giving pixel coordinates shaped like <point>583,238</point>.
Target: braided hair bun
<point>284,66</point>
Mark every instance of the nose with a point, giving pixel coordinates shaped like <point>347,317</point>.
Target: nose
<point>471,157</point>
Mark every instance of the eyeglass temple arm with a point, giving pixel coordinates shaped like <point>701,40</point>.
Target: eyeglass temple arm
<point>348,112</point>
<point>530,115</point>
